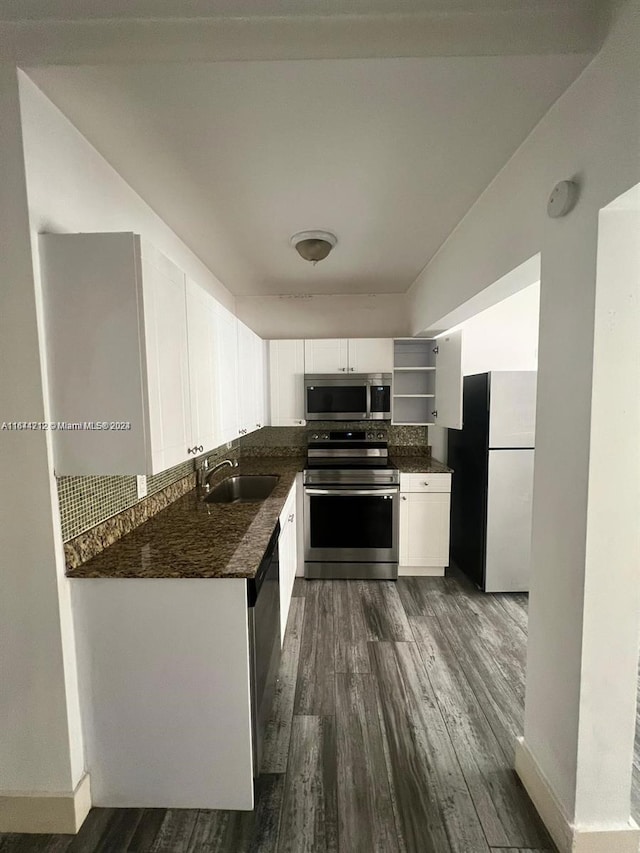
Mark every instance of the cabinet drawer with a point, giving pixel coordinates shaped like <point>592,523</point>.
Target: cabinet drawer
<point>425,482</point>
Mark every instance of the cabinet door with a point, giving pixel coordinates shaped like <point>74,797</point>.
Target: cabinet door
<point>201,327</point>
<point>288,548</point>
<point>286,371</point>
<point>370,355</point>
<point>424,529</point>
<point>226,374</point>
<point>326,356</point>
<point>247,376</point>
<point>165,323</point>
<point>261,381</point>
<point>448,386</point>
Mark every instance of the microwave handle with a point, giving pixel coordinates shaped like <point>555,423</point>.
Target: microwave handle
<point>368,401</point>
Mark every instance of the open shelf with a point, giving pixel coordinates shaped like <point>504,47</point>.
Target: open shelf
<point>414,381</point>
<point>414,353</point>
<point>414,409</point>
<point>412,369</point>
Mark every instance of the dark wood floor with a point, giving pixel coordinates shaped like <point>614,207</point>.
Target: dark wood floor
<point>393,732</point>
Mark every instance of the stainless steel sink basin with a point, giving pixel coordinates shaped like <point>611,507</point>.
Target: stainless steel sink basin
<point>243,488</point>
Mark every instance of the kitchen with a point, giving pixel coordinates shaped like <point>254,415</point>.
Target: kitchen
<point>90,216</point>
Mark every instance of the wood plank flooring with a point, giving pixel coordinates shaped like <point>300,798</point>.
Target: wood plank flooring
<point>392,731</point>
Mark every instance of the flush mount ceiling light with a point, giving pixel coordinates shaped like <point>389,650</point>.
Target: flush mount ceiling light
<point>313,246</point>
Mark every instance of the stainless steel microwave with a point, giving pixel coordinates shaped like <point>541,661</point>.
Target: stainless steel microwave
<point>358,397</point>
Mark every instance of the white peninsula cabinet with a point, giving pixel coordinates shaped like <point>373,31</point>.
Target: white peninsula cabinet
<point>348,355</point>
<point>117,354</point>
<point>425,504</point>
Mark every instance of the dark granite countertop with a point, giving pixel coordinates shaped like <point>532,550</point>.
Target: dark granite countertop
<point>193,539</point>
<point>420,465</point>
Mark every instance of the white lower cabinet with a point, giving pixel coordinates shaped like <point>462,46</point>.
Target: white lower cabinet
<point>288,548</point>
<point>425,506</point>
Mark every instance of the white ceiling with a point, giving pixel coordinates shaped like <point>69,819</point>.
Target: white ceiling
<point>237,156</point>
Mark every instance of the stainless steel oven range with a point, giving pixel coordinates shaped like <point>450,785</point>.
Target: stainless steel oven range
<point>351,515</point>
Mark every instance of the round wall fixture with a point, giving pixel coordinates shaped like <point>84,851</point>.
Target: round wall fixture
<point>563,199</point>
<point>313,246</point>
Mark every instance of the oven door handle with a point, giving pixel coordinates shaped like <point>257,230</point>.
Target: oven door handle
<point>373,492</point>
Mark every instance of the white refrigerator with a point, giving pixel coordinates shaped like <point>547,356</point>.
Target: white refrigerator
<point>492,458</point>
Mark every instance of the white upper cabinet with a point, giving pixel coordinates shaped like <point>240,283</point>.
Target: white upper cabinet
<point>201,329</point>
<point>226,337</point>
<point>330,355</point>
<point>167,360</point>
<point>427,381</point>
<point>251,376</point>
<point>116,343</point>
<point>286,371</point>
<point>370,355</point>
<point>348,355</point>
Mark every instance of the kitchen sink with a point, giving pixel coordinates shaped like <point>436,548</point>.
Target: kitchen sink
<point>243,488</point>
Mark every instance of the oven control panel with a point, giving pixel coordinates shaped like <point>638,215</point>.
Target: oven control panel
<point>347,435</point>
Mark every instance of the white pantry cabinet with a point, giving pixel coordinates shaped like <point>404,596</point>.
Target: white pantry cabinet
<point>348,355</point>
<point>286,372</point>
<point>117,356</point>
<point>288,552</point>
<point>425,508</point>
<point>427,381</point>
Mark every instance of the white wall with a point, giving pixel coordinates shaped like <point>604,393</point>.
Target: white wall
<point>73,188</point>
<point>367,315</point>
<point>591,134</point>
<point>70,188</point>
<point>503,337</point>
<point>40,742</point>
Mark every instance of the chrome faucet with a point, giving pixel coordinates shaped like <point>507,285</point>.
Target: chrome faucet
<point>205,473</point>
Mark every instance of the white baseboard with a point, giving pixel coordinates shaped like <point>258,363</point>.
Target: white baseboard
<point>568,837</point>
<point>421,571</point>
<point>47,813</point>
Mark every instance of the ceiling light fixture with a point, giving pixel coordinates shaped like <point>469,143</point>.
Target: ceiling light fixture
<point>313,246</point>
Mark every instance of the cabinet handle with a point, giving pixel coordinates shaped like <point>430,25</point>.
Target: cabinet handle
<point>352,369</point>
<point>258,425</point>
<point>200,449</point>
<point>404,497</point>
<point>291,517</point>
<point>425,484</point>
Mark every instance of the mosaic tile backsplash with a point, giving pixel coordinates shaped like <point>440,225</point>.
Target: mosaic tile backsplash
<point>86,502</point>
<point>296,437</point>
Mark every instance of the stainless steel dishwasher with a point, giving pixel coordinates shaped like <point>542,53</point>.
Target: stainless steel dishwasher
<point>263,594</point>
